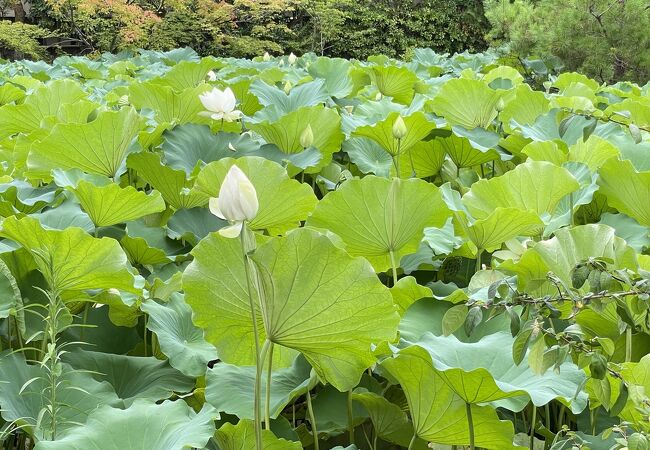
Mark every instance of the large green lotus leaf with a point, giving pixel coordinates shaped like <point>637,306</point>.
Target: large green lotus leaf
<point>465,102</point>
<point>568,247</point>
<point>426,157</point>
<point>42,103</point>
<point>631,110</point>
<point>417,128</point>
<point>637,375</point>
<point>547,127</point>
<point>335,73</point>
<point>637,236</point>
<point>375,216</point>
<point>396,82</point>
<point>179,339</point>
<point>286,131</point>
<point>484,371</point>
<point>185,145</point>
<point>283,202</point>
<point>407,291</point>
<point>168,426</point>
<point>193,224</point>
<point>536,186</point>
<point>188,74</point>
<point>67,214</point>
<point>279,104</point>
<point>216,290</point>
<point>570,203</point>
<point>546,151</point>
<point>147,245</point>
<point>177,191</point>
<point>98,147</point>
<point>626,189</point>
<point>499,226</point>
<point>439,414</point>
<point>169,105</point>
<point>463,153</point>
<point>368,156</point>
<point>21,196</point>
<point>132,377</point>
<point>324,303</point>
<point>242,437</point>
<point>230,388</point>
<point>593,152</point>
<point>388,420</point>
<point>71,259</point>
<point>10,94</point>
<point>78,394</point>
<point>111,204</point>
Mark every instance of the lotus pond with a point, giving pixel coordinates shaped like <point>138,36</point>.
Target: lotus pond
<point>287,253</point>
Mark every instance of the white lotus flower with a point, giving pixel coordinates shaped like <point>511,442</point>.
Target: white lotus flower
<point>266,56</point>
<point>237,202</point>
<point>212,76</point>
<point>220,105</point>
<point>292,59</point>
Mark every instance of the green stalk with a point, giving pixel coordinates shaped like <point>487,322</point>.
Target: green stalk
<point>312,421</point>
<point>350,418</point>
<point>412,443</point>
<point>470,424</point>
<point>267,403</point>
<point>571,202</point>
<point>479,253</point>
<point>258,361</point>
<point>393,265</point>
<point>547,412</point>
<point>532,428</point>
<point>628,344</point>
<point>258,391</point>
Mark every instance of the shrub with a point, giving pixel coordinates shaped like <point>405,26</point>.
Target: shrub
<point>20,41</point>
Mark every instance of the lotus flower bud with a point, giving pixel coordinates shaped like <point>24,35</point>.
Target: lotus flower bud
<point>292,59</point>
<point>307,137</point>
<point>212,76</point>
<point>287,87</point>
<point>237,202</point>
<point>500,105</point>
<point>399,128</point>
<point>266,56</point>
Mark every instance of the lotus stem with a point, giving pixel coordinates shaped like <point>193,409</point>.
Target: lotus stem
<point>628,344</point>
<point>258,361</point>
<point>393,265</point>
<point>479,253</point>
<point>312,421</point>
<point>350,418</point>
<point>533,420</point>
<point>470,424</point>
<point>258,393</point>
<point>267,403</point>
<point>412,443</point>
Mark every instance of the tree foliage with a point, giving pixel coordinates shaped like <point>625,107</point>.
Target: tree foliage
<point>246,28</point>
<point>605,39</point>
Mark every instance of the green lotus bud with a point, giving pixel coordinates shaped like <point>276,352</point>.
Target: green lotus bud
<point>399,128</point>
<point>287,87</point>
<point>307,137</point>
<point>500,105</point>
